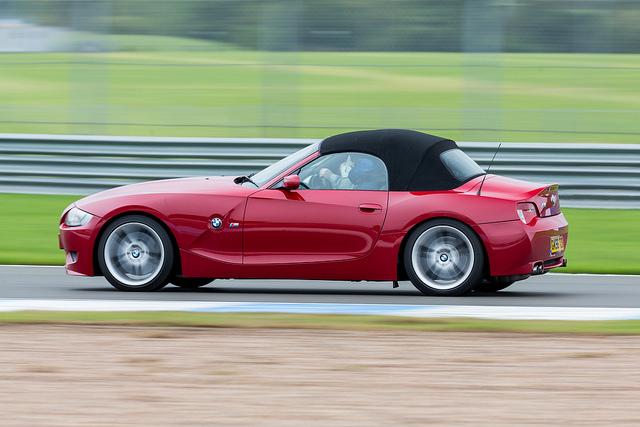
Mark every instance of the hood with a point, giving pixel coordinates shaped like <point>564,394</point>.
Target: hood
<point>153,194</point>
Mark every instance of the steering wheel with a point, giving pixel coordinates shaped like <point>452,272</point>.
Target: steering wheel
<point>319,183</point>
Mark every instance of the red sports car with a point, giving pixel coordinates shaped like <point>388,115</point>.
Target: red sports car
<point>379,205</point>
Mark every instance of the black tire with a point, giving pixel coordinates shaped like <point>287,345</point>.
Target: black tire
<point>135,253</point>
<point>190,282</point>
<point>444,257</point>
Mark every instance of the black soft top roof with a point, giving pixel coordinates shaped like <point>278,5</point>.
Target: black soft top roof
<point>412,158</point>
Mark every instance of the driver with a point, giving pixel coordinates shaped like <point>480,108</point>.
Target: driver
<point>357,178</point>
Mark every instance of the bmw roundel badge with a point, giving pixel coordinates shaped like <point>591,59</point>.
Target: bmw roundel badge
<point>216,223</point>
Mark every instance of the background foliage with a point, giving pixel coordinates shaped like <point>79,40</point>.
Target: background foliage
<point>473,70</point>
<point>359,25</point>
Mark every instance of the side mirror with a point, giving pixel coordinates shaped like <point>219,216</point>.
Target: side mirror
<point>291,182</point>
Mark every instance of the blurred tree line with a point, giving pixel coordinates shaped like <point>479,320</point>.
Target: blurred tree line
<point>609,26</point>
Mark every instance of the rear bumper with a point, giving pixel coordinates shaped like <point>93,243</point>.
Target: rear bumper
<point>515,248</point>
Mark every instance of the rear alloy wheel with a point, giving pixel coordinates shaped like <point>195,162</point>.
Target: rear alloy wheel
<point>444,257</point>
<point>135,254</point>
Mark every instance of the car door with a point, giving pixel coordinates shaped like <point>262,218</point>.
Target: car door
<point>320,221</point>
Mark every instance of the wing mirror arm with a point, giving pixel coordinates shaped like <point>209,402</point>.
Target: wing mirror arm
<point>291,182</point>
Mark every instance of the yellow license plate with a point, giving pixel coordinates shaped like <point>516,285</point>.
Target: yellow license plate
<point>557,244</point>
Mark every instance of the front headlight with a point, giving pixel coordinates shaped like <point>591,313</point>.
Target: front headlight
<point>76,217</point>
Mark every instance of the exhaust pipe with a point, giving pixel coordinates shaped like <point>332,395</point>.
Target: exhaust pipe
<point>537,270</point>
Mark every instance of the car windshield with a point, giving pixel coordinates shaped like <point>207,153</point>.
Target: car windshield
<point>267,174</point>
<point>461,166</point>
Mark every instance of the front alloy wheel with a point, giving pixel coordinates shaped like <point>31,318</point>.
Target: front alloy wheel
<point>444,257</point>
<point>135,254</point>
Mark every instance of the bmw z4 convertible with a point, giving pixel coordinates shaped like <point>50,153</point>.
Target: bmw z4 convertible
<point>378,205</point>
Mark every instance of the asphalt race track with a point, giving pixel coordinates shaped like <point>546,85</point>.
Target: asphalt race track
<point>550,290</point>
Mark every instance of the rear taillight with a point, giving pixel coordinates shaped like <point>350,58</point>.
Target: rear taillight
<point>526,212</point>
<point>548,201</point>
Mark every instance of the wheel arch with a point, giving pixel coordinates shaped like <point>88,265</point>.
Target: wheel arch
<point>402,272</point>
<point>177,267</point>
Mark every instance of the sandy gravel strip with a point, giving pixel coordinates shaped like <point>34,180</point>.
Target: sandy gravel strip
<point>62,375</point>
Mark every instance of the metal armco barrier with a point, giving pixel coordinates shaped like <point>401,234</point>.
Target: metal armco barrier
<point>590,175</point>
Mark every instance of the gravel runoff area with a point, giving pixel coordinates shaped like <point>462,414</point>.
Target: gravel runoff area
<point>58,375</point>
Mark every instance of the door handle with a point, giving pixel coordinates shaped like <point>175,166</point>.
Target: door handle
<point>370,208</point>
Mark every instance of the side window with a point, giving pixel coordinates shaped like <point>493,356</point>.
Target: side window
<point>344,171</point>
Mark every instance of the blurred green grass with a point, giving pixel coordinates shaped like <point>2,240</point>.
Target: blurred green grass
<point>318,321</point>
<point>600,240</point>
<point>213,91</point>
<point>29,228</point>
<point>603,241</point>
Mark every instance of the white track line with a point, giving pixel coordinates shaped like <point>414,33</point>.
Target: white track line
<point>433,311</point>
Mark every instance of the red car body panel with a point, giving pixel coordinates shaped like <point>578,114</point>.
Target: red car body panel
<point>320,234</point>
<point>374,267</point>
<point>305,226</point>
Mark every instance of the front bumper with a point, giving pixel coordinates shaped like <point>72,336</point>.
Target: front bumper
<point>78,244</point>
